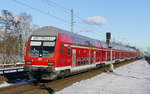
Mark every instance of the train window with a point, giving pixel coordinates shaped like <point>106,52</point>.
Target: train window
<point>97,53</point>
<point>69,50</point>
<point>42,48</point>
<point>84,60</point>
<point>103,53</point>
<point>79,61</point>
<point>90,60</point>
<point>48,49</point>
<point>87,60</point>
<point>108,58</point>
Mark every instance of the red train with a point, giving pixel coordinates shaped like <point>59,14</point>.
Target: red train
<point>52,53</point>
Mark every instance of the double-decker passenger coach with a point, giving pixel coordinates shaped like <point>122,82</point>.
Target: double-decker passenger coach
<point>52,53</point>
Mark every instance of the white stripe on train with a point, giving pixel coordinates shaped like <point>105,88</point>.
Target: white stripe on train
<point>80,68</point>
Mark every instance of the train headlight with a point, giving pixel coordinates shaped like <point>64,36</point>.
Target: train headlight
<point>28,62</point>
<point>50,63</point>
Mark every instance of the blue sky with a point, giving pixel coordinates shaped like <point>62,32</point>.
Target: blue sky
<point>128,20</point>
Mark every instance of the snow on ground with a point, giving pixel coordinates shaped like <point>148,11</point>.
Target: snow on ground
<point>133,78</point>
<point>4,84</point>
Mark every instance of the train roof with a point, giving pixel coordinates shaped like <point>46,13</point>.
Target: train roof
<point>53,31</point>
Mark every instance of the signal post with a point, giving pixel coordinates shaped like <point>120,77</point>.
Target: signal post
<point>109,47</point>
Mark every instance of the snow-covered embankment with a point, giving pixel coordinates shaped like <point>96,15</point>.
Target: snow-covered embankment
<point>133,78</point>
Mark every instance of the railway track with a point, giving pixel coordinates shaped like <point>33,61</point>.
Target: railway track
<point>11,73</point>
<point>14,77</point>
<point>48,87</point>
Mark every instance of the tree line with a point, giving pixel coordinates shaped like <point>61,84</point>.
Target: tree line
<point>14,31</point>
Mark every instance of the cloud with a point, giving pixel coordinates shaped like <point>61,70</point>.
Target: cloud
<point>98,20</point>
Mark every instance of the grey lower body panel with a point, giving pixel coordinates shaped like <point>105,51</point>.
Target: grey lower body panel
<point>47,73</point>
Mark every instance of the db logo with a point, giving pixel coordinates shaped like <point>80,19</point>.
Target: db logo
<point>40,59</point>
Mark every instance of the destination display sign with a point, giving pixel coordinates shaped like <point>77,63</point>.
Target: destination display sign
<point>52,38</point>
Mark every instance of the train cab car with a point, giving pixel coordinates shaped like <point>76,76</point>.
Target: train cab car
<point>41,52</point>
<point>52,52</point>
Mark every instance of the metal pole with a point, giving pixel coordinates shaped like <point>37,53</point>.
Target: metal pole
<point>111,60</point>
<point>109,45</point>
<point>72,23</point>
<point>20,45</point>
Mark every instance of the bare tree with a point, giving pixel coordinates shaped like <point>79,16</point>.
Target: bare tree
<point>14,31</point>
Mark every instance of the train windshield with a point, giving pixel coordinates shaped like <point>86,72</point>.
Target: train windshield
<point>42,46</point>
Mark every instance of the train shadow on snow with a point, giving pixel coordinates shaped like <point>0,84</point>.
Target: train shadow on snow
<point>41,84</point>
<point>48,89</point>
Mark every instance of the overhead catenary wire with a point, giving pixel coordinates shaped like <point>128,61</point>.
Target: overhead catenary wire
<point>67,11</point>
<point>62,7</point>
<point>40,11</point>
<point>87,29</point>
<point>52,4</point>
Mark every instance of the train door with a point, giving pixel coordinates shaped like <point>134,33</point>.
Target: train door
<point>119,55</point>
<point>103,55</point>
<point>90,56</point>
<point>106,55</point>
<point>94,56</point>
<point>73,57</point>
